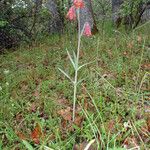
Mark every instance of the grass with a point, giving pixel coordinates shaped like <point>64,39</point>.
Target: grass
<point>113,99</point>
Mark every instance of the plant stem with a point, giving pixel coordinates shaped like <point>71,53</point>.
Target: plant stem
<point>77,63</point>
<point>74,98</point>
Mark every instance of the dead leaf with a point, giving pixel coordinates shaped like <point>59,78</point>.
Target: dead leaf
<point>36,134</point>
<point>19,117</point>
<point>66,114</point>
<point>45,62</point>
<point>125,53</point>
<point>81,54</point>
<point>130,142</point>
<point>111,125</point>
<point>36,94</point>
<point>24,88</point>
<point>62,101</point>
<point>63,124</point>
<point>31,65</point>
<point>33,107</point>
<point>139,39</point>
<point>21,135</point>
<point>78,121</point>
<point>130,45</point>
<point>145,66</point>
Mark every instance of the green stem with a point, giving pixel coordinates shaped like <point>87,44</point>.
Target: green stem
<point>77,63</point>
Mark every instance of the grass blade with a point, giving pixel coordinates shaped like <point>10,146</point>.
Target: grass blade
<point>27,145</point>
<point>47,148</point>
<point>89,144</point>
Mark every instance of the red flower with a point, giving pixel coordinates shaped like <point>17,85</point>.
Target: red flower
<point>87,30</point>
<point>78,3</point>
<point>71,15</point>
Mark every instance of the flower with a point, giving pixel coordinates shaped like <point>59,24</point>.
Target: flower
<point>71,15</point>
<point>78,3</point>
<point>87,30</point>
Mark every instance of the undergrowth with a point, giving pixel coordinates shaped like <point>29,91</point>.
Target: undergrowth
<point>113,99</point>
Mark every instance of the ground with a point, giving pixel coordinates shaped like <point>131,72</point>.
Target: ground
<point>113,98</point>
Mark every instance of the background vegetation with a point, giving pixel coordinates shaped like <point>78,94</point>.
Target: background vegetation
<point>36,99</point>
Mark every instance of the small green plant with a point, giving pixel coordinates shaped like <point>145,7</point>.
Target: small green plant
<point>75,60</point>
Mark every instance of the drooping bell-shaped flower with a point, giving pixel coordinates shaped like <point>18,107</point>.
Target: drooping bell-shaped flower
<point>78,3</point>
<point>71,15</point>
<point>87,30</point>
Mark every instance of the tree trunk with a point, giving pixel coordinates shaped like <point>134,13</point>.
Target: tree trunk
<point>55,23</point>
<point>130,20</point>
<point>87,15</point>
<point>37,8</point>
<point>115,9</point>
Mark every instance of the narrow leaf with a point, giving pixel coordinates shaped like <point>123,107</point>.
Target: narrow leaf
<point>89,144</point>
<point>85,65</point>
<point>75,58</point>
<point>65,74</point>
<point>71,59</point>
<point>82,30</point>
<point>81,80</point>
<point>27,145</point>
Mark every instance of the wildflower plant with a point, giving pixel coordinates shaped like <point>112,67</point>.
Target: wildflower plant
<point>73,13</point>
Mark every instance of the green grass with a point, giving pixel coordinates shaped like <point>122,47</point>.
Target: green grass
<point>115,91</point>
